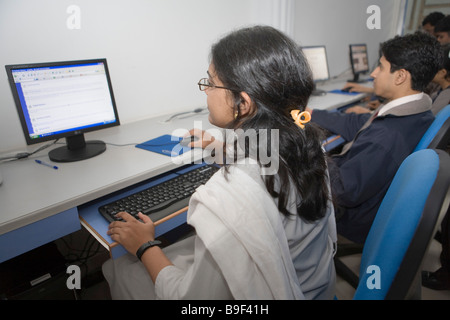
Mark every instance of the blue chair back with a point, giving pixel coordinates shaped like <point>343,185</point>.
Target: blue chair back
<point>437,132</point>
<point>404,226</point>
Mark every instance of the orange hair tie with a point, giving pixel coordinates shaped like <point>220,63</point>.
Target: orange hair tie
<point>301,118</point>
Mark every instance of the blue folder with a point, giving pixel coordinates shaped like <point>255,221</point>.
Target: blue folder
<point>167,145</point>
<point>344,92</point>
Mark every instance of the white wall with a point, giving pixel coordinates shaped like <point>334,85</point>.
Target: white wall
<point>157,50</point>
<point>338,23</point>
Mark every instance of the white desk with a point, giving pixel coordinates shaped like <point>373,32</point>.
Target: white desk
<point>40,204</point>
<point>332,101</point>
<point>33,196</point>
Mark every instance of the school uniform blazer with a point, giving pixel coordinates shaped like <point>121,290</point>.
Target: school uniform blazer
<point>361,176</point>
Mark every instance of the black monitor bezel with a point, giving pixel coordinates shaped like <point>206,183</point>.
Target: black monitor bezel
<point>326,59</point>
<point>351,59</point>
<point>31,141</point>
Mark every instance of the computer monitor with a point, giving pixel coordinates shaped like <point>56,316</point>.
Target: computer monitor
<point>358,60</point>
<point>64,100</point>
<point>318,62</point>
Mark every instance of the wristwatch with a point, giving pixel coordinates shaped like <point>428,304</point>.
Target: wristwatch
<point>146,246</point>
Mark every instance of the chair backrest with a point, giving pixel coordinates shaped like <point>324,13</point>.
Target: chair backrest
<point>438,134</point>
<point>404,225</point>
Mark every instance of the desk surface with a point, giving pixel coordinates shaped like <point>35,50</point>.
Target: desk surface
<point>31,192</point>
<point>331,101</point>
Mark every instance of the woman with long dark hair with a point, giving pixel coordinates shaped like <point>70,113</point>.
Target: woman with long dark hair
<point>264,230</point>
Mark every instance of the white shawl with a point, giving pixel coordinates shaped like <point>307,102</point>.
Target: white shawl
<point>241,227</point>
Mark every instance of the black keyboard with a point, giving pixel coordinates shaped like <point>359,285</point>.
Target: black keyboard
<point>160,200</point>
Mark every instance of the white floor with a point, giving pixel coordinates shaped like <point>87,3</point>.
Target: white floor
<point>431,263</point>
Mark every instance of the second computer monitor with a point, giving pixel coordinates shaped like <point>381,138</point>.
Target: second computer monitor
<point>358,60</point>
<point>318,62</point>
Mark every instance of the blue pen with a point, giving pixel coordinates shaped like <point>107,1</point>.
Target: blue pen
<point>46,164</point>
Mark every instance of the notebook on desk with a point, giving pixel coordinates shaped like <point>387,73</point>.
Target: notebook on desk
<point>167,145</point>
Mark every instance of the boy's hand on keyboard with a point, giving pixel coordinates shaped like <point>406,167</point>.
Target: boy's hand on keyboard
<point>132,233</point>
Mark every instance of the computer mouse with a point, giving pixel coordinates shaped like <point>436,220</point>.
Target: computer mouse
<point>187,140</point>
<point>346,89</point>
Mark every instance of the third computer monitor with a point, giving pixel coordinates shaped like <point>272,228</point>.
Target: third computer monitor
<point>358,60</point>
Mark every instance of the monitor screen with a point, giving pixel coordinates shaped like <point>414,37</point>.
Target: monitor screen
<point>64,100</point>
<point>317,59</point>
<point>359,59</point>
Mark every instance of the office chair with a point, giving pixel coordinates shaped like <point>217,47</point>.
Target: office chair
<point>403,228</point>
<point>438,134</point>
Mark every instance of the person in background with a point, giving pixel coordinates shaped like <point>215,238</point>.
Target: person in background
<point>257,236</point>
<point>440,279</point>
<point>379,142</point>
<point>441,97</point>
<point>442,30</point>
<point>428,25</point>
<point>429,22</point>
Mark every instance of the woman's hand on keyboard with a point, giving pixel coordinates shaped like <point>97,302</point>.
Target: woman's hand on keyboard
<point>132,233</point>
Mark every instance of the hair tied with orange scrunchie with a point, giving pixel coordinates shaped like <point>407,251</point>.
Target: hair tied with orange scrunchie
<point>301,118</point>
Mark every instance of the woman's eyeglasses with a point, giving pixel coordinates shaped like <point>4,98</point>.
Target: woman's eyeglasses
<point>204,84</point>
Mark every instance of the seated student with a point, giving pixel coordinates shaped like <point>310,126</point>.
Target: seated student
<point>428,25</point>
<point>378,143</point>
<point>442,30</point>
<point>442,78</point>
<point>429,22</point>
<point>441,96</point>
<point>257,236</point>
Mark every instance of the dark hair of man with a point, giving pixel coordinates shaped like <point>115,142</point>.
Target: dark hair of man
<point>443,25</point>
<point>446,60</point>
<point>272,70</point>
<point>419,53</point>
<point>433,18</point>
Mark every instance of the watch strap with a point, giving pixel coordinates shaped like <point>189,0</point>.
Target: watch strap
<point>146,246</point>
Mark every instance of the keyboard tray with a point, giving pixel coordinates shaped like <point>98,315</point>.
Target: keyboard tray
<point>162,199</point>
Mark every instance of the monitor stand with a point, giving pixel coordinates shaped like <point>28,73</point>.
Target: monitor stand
<point>77,149</point>
<point>318,92</point>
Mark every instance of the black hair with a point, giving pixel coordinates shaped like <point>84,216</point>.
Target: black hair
<point>446,60</point>
<point>419,53</point>
<point>268,66</point>
<point>443,25</point>
<point>433,18</point>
